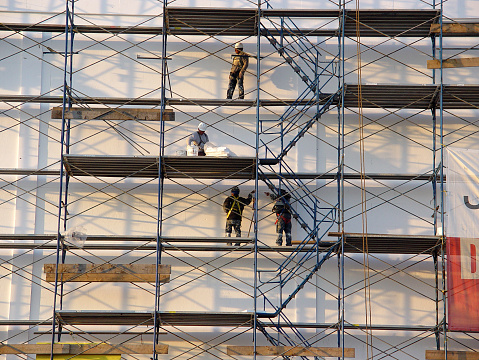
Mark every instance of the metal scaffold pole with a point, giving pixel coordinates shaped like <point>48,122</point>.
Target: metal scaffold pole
<point>256,180</point>
<point>442,181</point>
<point>159,227</point>
<point>340,177</point>
<point>435,197</point>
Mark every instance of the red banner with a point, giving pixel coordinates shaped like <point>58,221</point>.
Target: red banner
<point>463,284</point>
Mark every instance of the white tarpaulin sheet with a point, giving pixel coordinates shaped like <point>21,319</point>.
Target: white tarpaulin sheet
<point>462,200</point>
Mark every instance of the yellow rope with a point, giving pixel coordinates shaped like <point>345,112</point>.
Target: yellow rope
<point>367,283</point>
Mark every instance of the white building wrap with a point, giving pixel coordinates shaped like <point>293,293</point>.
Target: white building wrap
<point>462,176</point>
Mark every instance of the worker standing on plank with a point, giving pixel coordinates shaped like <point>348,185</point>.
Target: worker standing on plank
<point>233,206</point>
<point>282,210</point>
<point>199,138</point>
<point>238,69</point>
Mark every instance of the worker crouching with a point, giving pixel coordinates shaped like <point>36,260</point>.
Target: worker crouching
<point>199,138</point>
<point>233,206</point>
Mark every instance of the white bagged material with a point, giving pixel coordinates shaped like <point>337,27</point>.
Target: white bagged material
<point>220,151</point>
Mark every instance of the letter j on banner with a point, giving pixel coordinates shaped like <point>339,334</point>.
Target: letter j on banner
<point>462,224</point>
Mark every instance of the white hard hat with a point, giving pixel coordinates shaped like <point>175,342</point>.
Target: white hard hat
<point>202,127</point>
<point>238,45</point>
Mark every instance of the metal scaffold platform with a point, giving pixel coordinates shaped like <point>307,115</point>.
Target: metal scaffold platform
<point>172,167</point>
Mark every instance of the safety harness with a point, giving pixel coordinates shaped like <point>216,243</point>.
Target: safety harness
<point>286,221</point>
<point>280,215</point>
<point>235,203</point>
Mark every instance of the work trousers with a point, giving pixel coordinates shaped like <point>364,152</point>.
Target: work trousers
<point>283,225</point>
<point>230,224</point>
<point>234,77</point>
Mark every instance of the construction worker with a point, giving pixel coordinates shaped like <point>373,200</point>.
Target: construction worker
<point>240,64</point>
<point>199,138</point>
<point>233,206</point>
<point>282,210</point>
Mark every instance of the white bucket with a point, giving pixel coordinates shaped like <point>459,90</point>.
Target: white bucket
<point>192,150</point>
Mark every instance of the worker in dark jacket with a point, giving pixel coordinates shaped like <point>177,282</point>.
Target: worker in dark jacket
<point>238,69</point>
<point>282,210</point>
<point>233,206</point>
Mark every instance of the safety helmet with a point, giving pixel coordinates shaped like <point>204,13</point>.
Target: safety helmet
<point>202,127</point>
<point>238,45</point>
<point>235,191</point>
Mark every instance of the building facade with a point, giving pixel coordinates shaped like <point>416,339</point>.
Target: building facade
<point>114,239</point>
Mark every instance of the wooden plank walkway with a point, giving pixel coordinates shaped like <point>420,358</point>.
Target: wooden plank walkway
<point>84,349</point>
<point>291,351</point>
<point>451,355</point>
<point>107,272</point>
<point>113,114</point>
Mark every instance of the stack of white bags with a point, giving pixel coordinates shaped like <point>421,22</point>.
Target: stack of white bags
<point>220,151</point>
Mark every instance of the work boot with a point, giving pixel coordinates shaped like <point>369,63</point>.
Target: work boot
<point>237,244</point>
<point>288,240</point>
<point>279,242</point>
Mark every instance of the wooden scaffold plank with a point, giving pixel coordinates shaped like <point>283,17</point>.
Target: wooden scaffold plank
<point>453,63</point>
<point>113,114</point>
<point>34,349</point>
<point>451,355</point>
<point>291,351</point>
<point>84,349</point>
<point>456,29</point>
<point>107,272</point>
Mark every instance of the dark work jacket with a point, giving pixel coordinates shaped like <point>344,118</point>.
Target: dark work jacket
<point>236,205</point>
<point>282,209</point>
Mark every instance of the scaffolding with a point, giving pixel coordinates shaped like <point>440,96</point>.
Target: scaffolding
<point>115,237</point>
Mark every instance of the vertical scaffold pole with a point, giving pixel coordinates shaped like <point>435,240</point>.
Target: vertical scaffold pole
<point>434,144</point>
<point>340,177</point>
<point>159,222</point>
<point>434,194</point>
<point>255,210</point>
<point>441,172</point>
<point>437,332</point>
